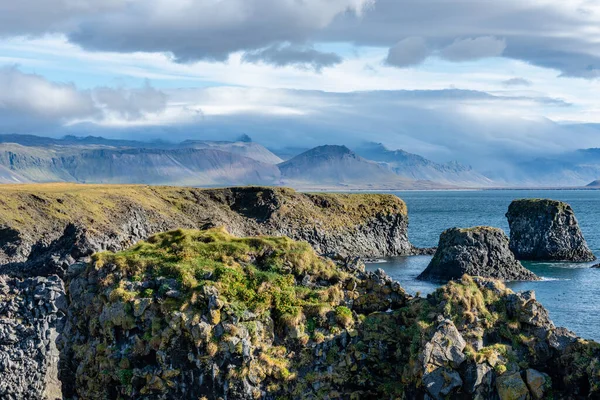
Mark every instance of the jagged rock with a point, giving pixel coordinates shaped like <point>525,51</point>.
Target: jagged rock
<point>480,251</point>
<point>31,314</point>
<point>441,382</point>
<point>446,347</point>
<point>478,378</point>
<point>525,308</point>
<point>512,387</point>
<point>546,230</point>
<point>538,383</point>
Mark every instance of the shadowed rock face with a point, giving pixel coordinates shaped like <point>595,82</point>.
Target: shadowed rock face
<point>480,251</point>
<point>546,230</point>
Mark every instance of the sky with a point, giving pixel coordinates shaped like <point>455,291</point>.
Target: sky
<point>472,81</point>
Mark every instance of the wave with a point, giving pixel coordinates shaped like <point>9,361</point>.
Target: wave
<point>545,279</point>
<point>374,261</point>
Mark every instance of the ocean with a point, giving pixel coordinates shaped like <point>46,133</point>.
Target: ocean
<point>570,292</point>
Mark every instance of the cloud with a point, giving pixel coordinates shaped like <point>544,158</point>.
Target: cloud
<point>301,56</point>
<point>408,52</point>
<point>203,30</point>
<point>473,127</point>
<point>29,102</point>
<point>130,104</point>
<point>474,49</point>
<point>517,82</point>
<point>548,33</point>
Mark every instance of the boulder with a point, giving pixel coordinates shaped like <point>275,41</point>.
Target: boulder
<point>546,230</point>
<point>480,251</point>
<point>511,386</point>
<point>446,347</point>
<point>538,383</point>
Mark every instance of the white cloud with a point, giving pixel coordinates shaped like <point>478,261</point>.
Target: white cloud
<point>29,102</point>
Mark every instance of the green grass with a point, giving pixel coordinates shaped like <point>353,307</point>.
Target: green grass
<point>46,208</point>
<point>257,274</point>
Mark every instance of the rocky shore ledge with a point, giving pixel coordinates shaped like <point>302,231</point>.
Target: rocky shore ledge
<point>479,251</point>
<point>546,230</point>
<point>45,228</point>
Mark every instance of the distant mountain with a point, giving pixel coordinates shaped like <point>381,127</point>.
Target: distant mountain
<point>88,162</point>
<point>574,168</point>
<point>245,148</point>
<point>595,184</point>
<point>416,167</point>
<point>339,166</point>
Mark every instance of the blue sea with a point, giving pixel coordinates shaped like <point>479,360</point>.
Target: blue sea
<point>570,292</point>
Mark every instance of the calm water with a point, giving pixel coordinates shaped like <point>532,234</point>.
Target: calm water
<point>571,292</point>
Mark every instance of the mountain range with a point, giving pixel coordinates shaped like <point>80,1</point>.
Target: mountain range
<point>91,159</point>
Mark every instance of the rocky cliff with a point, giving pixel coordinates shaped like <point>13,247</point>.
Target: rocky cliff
<point>201,314</point>
<point>479,251</point>
<point>546,230</point>
<point>31,315</point>
<point>45,228</point>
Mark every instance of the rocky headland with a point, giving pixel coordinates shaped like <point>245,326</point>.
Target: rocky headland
<point>202,314</point>
<point>46,228</point>
<point>232,308</point>
<point>546,230</point>
<point>479,251</point>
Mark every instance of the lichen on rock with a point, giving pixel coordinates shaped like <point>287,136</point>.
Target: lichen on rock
<point>479,251</point>
<point>546,230</point>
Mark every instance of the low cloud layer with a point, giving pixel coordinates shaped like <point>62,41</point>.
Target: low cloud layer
<point>472,127</point>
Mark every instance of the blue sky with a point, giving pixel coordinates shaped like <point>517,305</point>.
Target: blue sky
<point>498,78</point>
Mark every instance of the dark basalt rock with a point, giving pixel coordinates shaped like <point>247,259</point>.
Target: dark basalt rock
<point>480,251</point>
<point>31,316</point>
<point>546,230</point>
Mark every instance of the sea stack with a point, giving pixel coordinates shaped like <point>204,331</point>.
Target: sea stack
<point>546,230</point>
<point>479,251</point>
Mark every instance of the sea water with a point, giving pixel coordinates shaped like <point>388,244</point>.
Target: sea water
<point>570,291</point>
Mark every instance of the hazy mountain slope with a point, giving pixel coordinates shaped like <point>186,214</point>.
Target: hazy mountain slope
<point>339,166</point>
<point>180,166</point>
<point>576,168</point>
<point>202,167</point>
<point>416,167</point>
<point>247,149</point>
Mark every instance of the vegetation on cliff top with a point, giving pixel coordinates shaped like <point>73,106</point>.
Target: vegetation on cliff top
<point>43,207</point>
<point>256,274</point>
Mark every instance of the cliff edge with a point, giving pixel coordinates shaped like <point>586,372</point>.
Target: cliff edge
<point>46,228</point>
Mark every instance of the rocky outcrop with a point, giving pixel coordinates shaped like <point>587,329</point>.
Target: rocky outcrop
<point>480,251</point>
<point>546,230</point>
<point>271,319</point>
<point>31,314</point>
<point>46,228</point>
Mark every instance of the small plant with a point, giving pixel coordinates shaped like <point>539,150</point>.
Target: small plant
<point>343,316</point>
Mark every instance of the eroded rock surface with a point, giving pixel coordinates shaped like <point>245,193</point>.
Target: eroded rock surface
<point>546,230</point>
<point>31,314</point>
<point>480,251</point>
